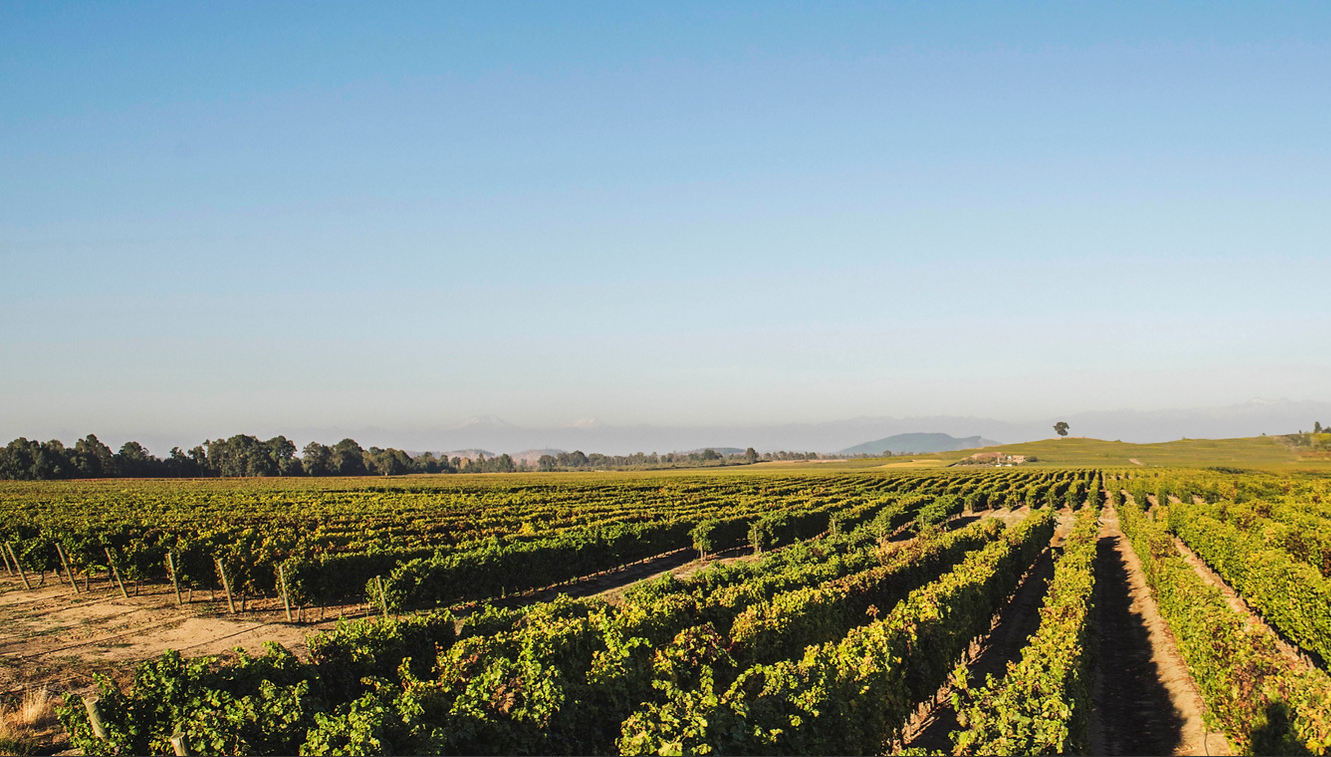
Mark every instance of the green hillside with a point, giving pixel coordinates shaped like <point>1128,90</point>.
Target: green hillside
<point>1252,452</point>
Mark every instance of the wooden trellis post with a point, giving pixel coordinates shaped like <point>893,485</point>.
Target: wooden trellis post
<point>286,599</point>
<point>17,564</point>
<point>110,563</point>
<point>226,585</point>
<point>8,569</point>
<point>179,744</point>
<point>175,583</point>
<point>95,716</point>
<point>65,562</point>
<point>383,600</point>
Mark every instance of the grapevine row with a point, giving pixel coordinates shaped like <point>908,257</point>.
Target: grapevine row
<point>850,696</point>
<point>1042,704</point>
<point>1265,704</point>
<point>1292,595</point>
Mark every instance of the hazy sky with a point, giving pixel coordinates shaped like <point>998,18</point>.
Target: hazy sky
<point>225,217</point>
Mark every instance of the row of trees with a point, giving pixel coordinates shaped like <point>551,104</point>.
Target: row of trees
<point>640,460</point>
<point>243,455</point>
<point>240,455</point>
<point>89,458</point>
<point>597,461</point>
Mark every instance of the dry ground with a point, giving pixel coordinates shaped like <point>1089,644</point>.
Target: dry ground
<point>53,640</point>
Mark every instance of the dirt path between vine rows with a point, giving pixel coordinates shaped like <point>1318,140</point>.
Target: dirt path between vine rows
<point>613,584</point>
<point>1144,701</point>
<point>1018,621</point>
<point>931,728</point>
<point>1291,651</point>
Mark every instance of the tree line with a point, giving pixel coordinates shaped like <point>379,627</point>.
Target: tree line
<point>238,456</point>
<point>596,461</point>
<point>244,455</point>
<point>707,458</point>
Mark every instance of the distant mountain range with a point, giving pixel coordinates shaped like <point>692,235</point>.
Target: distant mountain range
<point>902,443</point>
<point>530,456</point>
<point>1251,418</point>
<point>719,450</point>
<point>465,454</point>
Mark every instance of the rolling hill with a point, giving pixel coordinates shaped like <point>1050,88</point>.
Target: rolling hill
<point>1263,452</point>
<point>921,443</point>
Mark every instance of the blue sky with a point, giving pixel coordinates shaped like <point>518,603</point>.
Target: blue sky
<point>225,217</point>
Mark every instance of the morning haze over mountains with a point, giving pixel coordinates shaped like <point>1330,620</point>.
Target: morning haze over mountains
<point>873,435</point>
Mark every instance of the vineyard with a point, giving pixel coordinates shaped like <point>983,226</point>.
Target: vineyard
<point>809,612</point>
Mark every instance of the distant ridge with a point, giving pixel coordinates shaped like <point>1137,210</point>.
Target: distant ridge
<point>474,453</point>
<point>1241,420</point>
<point>532,456</point>
<point>901,443</point>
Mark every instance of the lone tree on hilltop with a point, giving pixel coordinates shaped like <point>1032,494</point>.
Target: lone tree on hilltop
<point>1317,427</point>
<point>1062,428</point>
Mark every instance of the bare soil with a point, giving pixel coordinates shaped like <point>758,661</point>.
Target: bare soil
<point>54,639</point>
